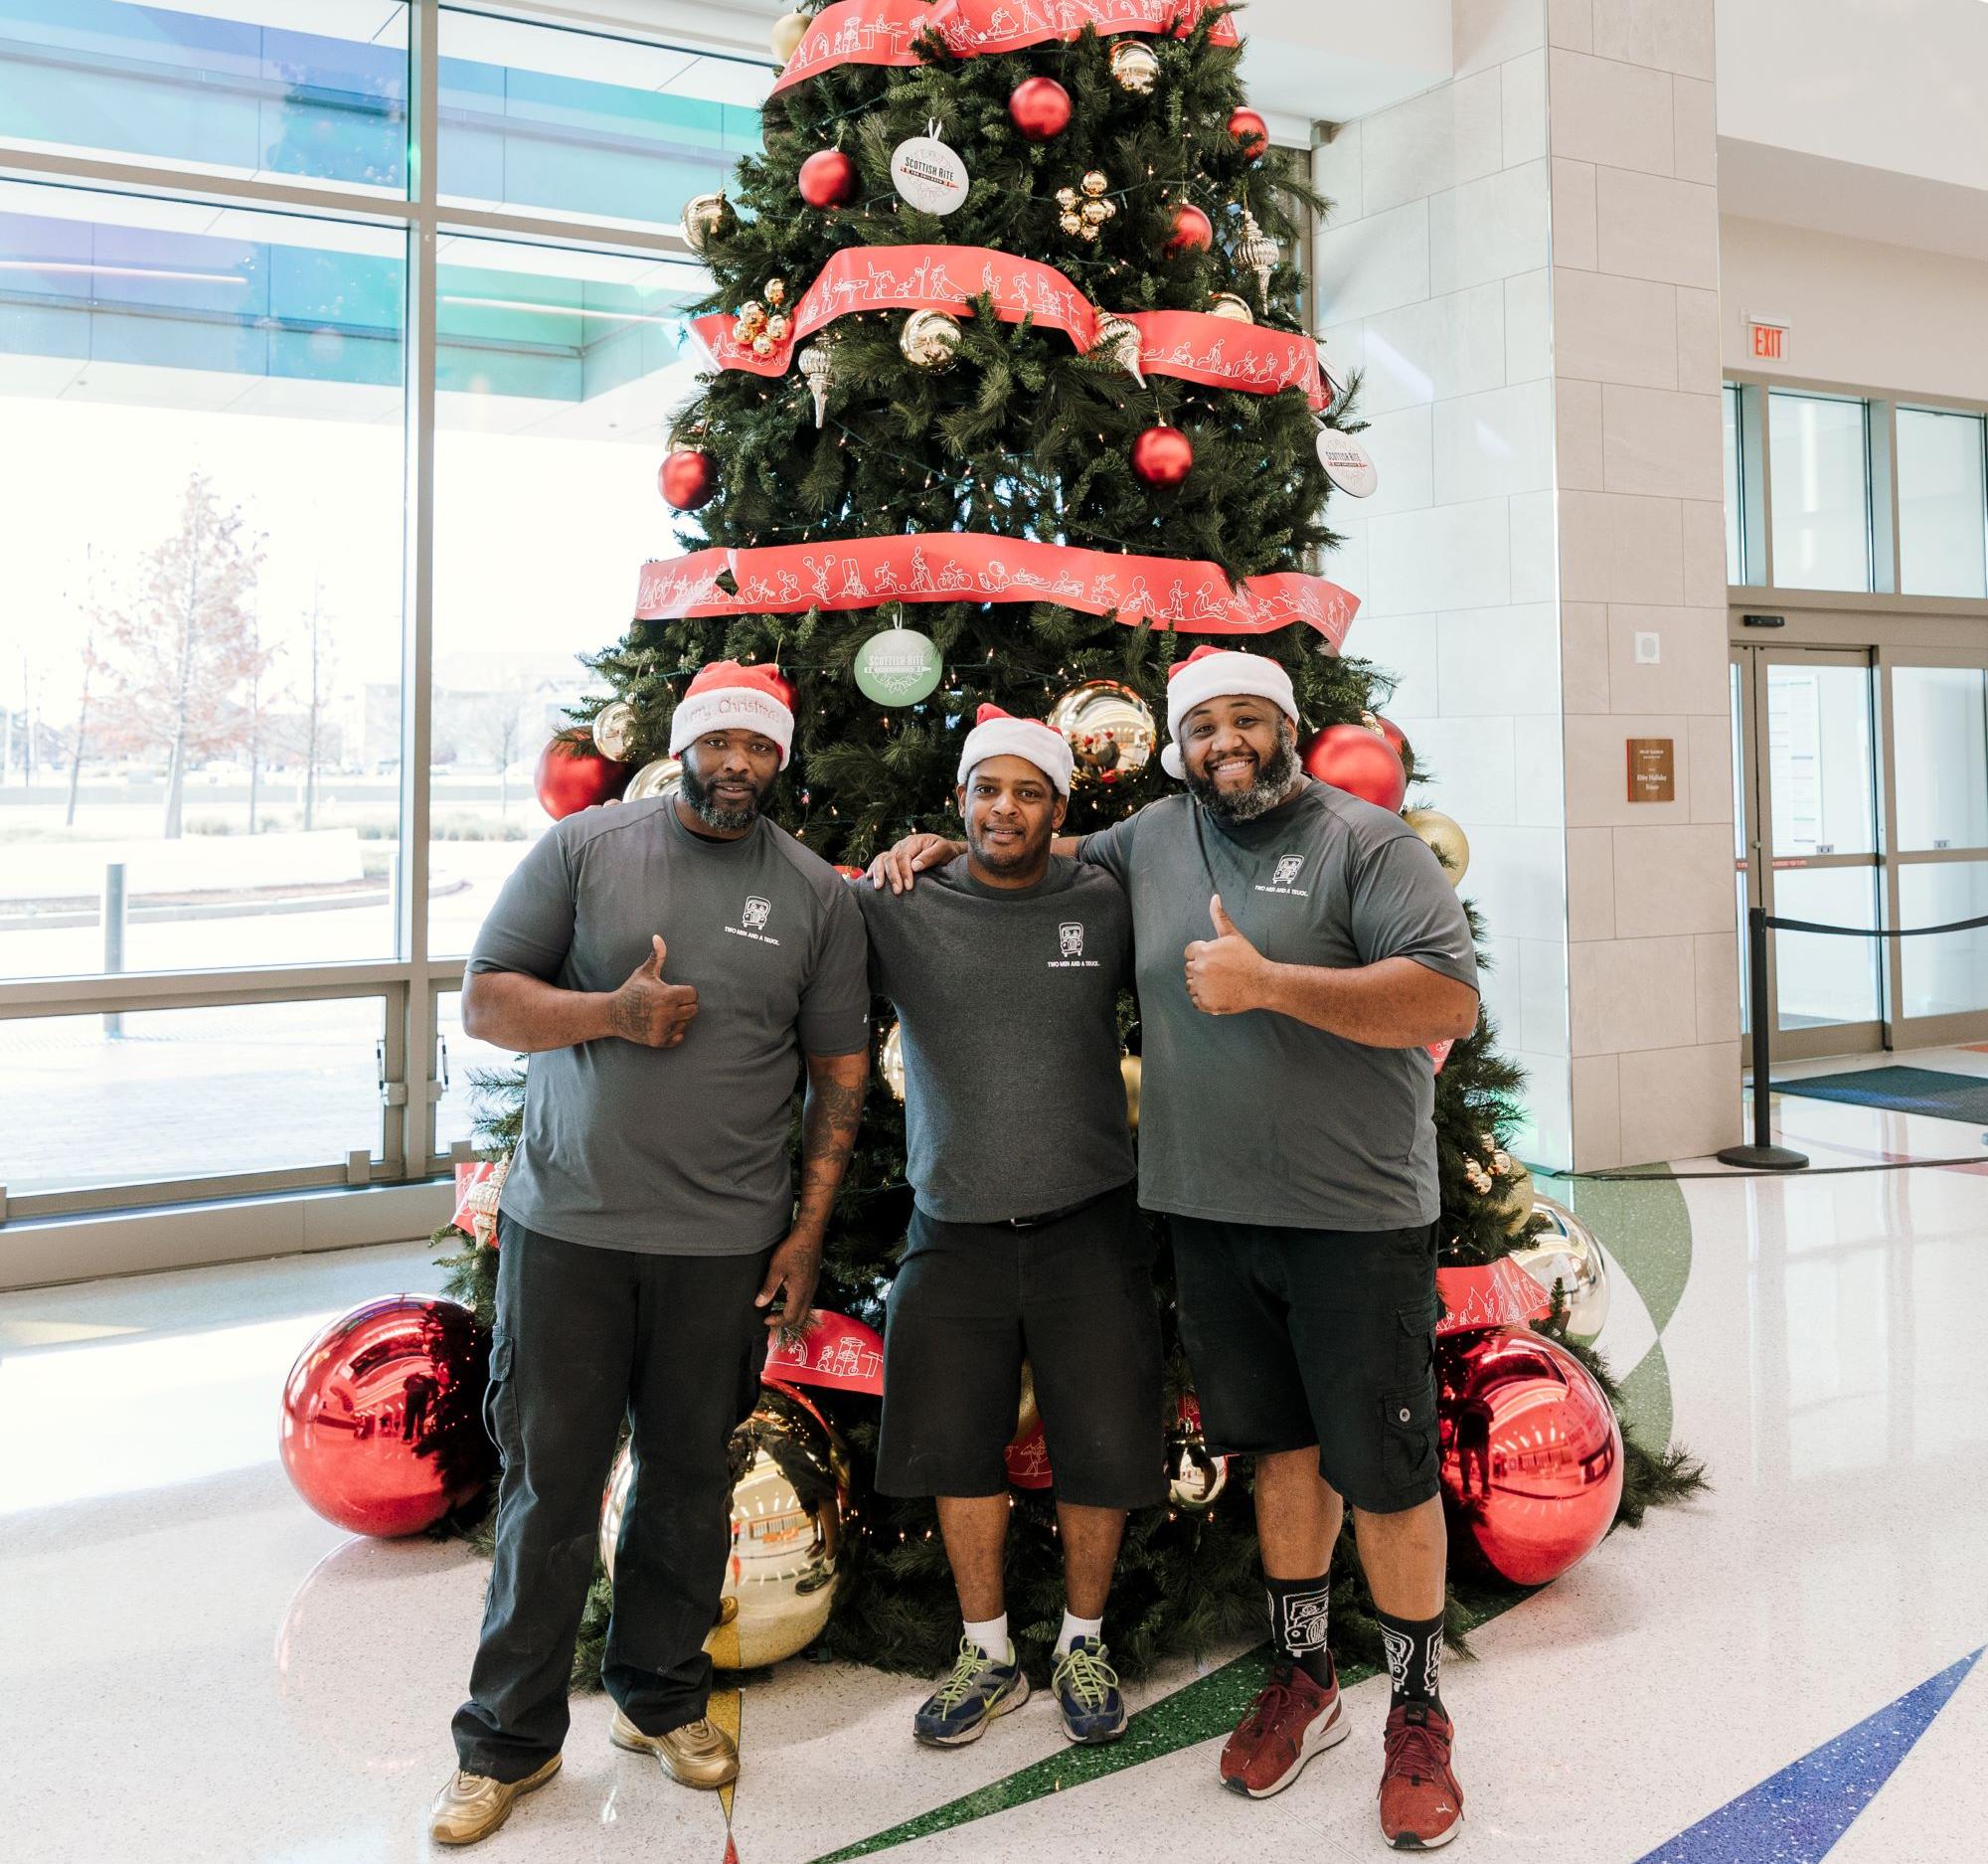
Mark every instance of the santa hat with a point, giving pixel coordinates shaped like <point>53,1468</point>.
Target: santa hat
<point>998,734</point>
<point>1218,672</point>
<point>725,696</point>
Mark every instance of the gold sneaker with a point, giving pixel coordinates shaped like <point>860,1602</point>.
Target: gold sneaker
<point>471,1806</point>
<point>699,1753</point>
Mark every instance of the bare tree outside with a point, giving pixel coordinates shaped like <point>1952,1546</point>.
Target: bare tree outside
<point>498,724</point>
<point>183,649</point>
<point>320,658</point>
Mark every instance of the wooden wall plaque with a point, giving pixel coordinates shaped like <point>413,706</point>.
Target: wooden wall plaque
<point>1652,769</point>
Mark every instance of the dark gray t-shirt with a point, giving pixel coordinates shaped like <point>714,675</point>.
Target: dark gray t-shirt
<point>1007,1002</point>
<point>1259,1118</point>
<point>675,1152</point>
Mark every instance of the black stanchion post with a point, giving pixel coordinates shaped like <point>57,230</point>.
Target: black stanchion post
<point>1763,1154</point>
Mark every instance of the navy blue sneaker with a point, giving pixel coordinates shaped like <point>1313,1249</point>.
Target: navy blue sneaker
<point>1086,1693</point>
<point>978,1690</point>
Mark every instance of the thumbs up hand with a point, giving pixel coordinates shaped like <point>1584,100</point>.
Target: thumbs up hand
<point>649,1011</point>
<point>1226,973</point>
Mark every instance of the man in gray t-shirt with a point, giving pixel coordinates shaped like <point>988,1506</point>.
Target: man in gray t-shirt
<point>1296,949</point>
<point>1026,1241</point>
<point>673,967</point>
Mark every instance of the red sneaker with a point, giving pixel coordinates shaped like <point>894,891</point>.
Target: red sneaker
<point>1291,1720</point>
<point>1421,1805</point>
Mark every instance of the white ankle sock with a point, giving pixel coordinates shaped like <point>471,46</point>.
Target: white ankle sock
<point>1075,1627</point>
<point>991,1637</point>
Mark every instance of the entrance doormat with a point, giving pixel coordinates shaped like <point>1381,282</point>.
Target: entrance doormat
<point>1900,1090</point>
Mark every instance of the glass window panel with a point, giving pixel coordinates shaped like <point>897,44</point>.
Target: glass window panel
<point>1736,562</point>
<point>1942,510</point>
<point>456,1109</point>
<point>1941,756</point>
<point>251,88</point>
<point>1819,766</point>
<point>586,126</point>
<point>153,1095</point>
<point>201,648</point>
<point>1820,980</point>
<point>1947,973</point>
<point>1822,491</point>
<point>556,375</point>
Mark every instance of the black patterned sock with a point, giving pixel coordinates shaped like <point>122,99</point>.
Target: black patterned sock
<point>1415,1658</point>
<point>1298,1624</point>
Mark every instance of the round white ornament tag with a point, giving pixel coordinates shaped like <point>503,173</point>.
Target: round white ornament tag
<point>927,174</point>
<point>1347,464</point>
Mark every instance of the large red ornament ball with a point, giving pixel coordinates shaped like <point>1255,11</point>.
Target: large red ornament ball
<point>573,775</point>
<point>1396,739</point>
<point>687,478</point>
<point>828,179</point>
<point>1162,456</point>
<point>1191,230</point>
<point>1251,133</point>
<point>383,1416</point>
<point>1531,1454</point>
<point>1355,759</point>
<point>1040,108</point>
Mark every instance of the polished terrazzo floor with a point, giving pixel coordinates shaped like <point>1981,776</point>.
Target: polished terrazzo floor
<point>194,1667</point>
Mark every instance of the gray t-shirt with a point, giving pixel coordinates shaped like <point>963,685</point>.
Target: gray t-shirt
<point>1259,1118</point>
<point>1007,1001</point>
<point>677,1151</point>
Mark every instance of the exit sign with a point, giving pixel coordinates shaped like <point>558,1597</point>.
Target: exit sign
<point>1767,338</point>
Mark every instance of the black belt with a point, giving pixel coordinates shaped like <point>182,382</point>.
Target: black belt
<point>1057,1216</point>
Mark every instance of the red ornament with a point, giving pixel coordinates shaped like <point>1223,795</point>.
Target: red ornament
<point>1531,1454</point>
<point>382,1426</point>
<point>1162,456</point>
<point>1040,108</point>
<point>1191,230</point>
<point>847,872</point>
<point>828,179</point>
<point>573,775</point>
<point>1396,739</point>
<point>687,478</point>
<point>1251,133</point>
<point>1355,759</point>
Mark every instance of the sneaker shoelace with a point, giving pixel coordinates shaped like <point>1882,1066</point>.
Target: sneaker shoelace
<point>1413,1748</point>
<point>1086,1675</point>
<point>966,1668</point>
<point>1277,1695</point>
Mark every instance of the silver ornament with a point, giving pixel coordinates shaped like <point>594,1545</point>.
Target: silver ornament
<point>659,779</point>
<point>816,371</point>
<point>614,730</point>
<point>1228,304</point>
<point>1117,341</point>
<point>1134,66</point>
<point>1562,1251</point>
<point>929,338</point>
<point>702,212</point>
<point>1259,251</point>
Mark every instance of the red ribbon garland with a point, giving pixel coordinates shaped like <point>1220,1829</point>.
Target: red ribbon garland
<point>1181,594</point>
<point>1196,346</point>
<point>887,32</point>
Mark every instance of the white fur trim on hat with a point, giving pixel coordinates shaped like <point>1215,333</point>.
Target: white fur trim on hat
<point>1215,673</point>
<point>731,708</point>
<point>998,734</point>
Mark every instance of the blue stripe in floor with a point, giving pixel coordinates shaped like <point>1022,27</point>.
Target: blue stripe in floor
<point>1797,1815</point>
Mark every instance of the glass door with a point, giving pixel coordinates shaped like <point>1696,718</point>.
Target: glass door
<point>1810,843</point>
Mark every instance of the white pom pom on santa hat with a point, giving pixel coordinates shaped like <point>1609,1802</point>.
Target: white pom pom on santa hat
<point>998,734</point>
<point>1217,673</point>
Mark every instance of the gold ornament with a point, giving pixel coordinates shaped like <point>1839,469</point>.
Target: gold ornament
<point>701,213</point>
<point>1562,1252</point>
<point>1095,182</point>
<point>788,32</point>
<point>929,338</point>
<point>1117,340</point>
<point>1136,66</point>
<point>788,1519</point>
<point>816,371</point>
<point>1446,839</point>
<point>763,343</point>
<point>1511,1192</point>
<point>777,327</point>
<point>1072,224</point>
<point>1096,211</point>
<point>752,312</point>
<point>1228,304</point>
<point>1109,730</point>
<point>1195,1476</point>
<point>890,1063</point>
<point>1259,251</point>
<point>1066,198</point>
<point>1131,1071</point>
<point>777,291</point>
<point>660,778</point>
<point>614,730</point>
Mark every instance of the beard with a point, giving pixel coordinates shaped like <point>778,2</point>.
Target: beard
<point>723,820</point>
<point>997,860</point>
<point>1270,787</point>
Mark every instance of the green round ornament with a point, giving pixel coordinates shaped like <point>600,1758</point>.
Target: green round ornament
<point>898,667</point>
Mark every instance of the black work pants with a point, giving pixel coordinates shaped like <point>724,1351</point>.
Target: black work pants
<point>586,1336</point>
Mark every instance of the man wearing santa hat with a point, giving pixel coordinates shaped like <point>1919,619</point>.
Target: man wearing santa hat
<point>668,966</point>
<point>1026,1241</point>
<point>1296,948</point>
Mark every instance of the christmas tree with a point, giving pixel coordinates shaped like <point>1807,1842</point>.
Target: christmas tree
<point>1012,400</point>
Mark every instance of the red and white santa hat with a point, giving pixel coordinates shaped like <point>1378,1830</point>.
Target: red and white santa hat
<point>728,697</point>
<point>1216,673</point>
<point>998,734</point>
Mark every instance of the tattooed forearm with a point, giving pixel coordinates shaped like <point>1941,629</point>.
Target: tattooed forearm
<point>829,1122</point>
